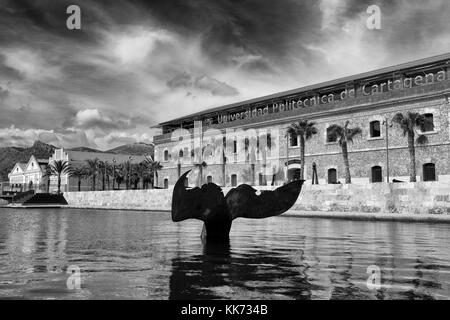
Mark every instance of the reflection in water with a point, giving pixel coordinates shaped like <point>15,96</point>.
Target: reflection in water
<point>218,274</point>
<point>143,255</point>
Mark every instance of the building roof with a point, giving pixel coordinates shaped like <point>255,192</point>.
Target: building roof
<point>81,156</point>
<point>362,76</point>
<point>22,165</point>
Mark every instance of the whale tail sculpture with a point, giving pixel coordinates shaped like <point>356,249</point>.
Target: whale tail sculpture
<point>209,205</point>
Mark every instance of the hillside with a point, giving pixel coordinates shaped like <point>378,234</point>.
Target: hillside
<point>85,149</point>
<point>136,149</point>
<point>9,156</point>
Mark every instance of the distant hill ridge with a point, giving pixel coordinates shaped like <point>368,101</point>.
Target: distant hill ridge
<point>9,156</point>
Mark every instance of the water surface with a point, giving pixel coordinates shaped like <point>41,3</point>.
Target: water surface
<point>144,255</point>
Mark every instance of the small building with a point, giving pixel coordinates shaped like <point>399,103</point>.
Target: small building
<point>27,176</point>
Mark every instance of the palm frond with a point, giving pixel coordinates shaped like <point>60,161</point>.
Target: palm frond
<point>422,139</point>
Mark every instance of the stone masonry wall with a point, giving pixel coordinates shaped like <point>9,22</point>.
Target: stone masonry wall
<point>413,198</point>
<point>157,199</point>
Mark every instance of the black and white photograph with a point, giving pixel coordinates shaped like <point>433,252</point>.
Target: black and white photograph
<point>225,154</point>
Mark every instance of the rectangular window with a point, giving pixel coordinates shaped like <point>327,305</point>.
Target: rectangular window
<point>375,129</point>
<point>429,122</point>
<point>330,138</point>
<point>293,140</point>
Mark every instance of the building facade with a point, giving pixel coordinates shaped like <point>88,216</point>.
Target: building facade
<point>26,176</point>
<point>252,134</point>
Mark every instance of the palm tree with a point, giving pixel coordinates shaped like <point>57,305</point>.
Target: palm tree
<point>305,130</point>
<point>59,167</point>
<point>344,135</point>
<point>109,174</point>
<point>101,170</point>
<point>409,123</point>
<point>92,170</point>
<point>119,175</point>
<point>79,173</point>
<point>128,170</point>
<point>154,167</point>
<point>47,174</point>
<point>140,170</point>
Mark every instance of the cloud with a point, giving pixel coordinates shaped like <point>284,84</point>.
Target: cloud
<point>3,94</point>
<point>201,82</point>
<point>135,47</point>
<point>136,63</point>
<point>93,118</point>
<point>30,64</point>
<point>12,136</point>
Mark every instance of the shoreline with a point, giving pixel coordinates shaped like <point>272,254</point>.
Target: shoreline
<point>351,216</point>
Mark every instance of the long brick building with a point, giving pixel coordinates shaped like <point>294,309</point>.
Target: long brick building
<point>258,151</point>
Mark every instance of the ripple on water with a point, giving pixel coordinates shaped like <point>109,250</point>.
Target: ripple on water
<point>143,255</point>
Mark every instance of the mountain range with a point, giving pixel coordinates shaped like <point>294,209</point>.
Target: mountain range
<point>9,156</point>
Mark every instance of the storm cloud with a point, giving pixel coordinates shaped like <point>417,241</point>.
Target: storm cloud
<point>136,63</point>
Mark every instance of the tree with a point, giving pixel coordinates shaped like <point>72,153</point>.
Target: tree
<point>47,174</point>
<point>144,174</point>
<point>119,175</point>
<point>154,167</point>
<point>305,130</point>
<point>102,171</point>
<point>79,173</point>
<point>409,123</point>
<point>92,170</point>
<point>344,135</point>
<point>140,169</point>
<point>128,170</point>
<point>58,168</point>
<point>109,174</point>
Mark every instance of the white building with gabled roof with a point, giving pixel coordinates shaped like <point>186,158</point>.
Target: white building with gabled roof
<point>28,175</point>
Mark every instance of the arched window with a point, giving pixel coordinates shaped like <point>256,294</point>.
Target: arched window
<point>330,137</point>
<point>376,174</point>
<point>166,155</point>
<point>429,172</point>
<point>209,179</point>
<point>332,176</point>
<point>181,154</point>
<point>166,183</point>
<point>375,129</point>
<point>429,122</point>
<point>233,180</point>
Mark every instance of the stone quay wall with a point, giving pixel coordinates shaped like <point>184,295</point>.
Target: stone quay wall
<point>411,198</point>
<point>156,199</point>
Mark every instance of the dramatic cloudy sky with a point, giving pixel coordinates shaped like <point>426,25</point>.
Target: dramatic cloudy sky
<point>137,63</point>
